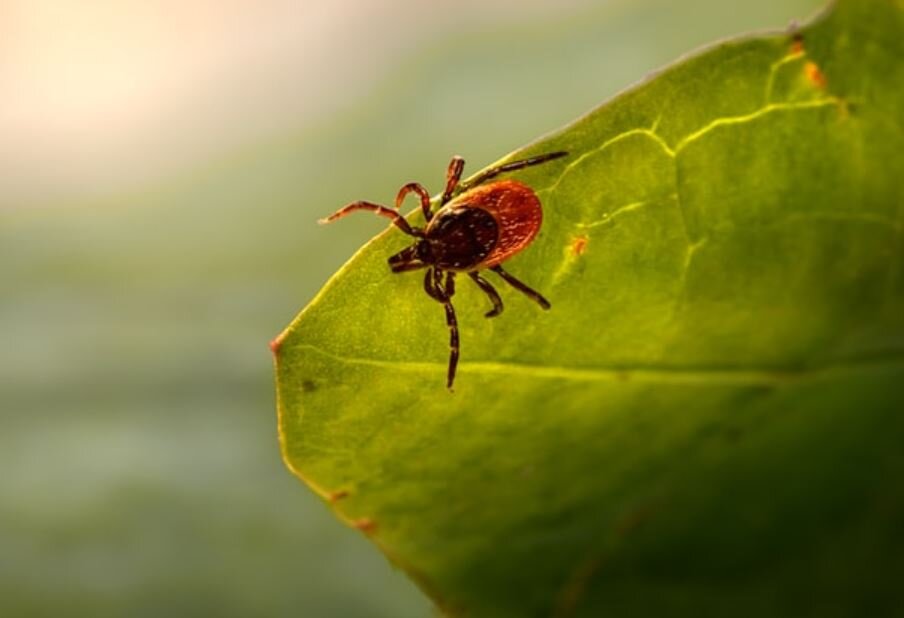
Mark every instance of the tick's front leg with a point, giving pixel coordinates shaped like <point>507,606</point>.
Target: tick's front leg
<point>453,175</point>
<point>511,167</point>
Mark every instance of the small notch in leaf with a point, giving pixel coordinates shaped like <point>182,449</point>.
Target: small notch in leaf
<point>365,525</point>
<point>338,495</point>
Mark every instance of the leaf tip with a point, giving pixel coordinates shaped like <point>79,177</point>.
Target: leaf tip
<point>275,343</point>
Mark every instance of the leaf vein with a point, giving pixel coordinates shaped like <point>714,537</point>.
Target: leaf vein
<point>767,109</point>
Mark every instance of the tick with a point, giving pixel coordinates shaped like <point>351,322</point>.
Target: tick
<point>478,226</point>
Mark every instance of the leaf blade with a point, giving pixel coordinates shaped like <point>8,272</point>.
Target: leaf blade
<point>725,277</point>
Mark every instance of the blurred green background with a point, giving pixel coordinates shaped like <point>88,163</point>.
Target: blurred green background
<point>162,166</point>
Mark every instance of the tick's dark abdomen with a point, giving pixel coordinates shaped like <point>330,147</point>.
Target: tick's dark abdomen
<point>461,238</point>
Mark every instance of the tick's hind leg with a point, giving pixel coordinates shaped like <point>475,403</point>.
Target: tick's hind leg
<point>515,283</point>
<point>490,291</point>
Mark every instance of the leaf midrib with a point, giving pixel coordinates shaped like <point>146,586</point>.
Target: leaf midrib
<point>741,376</point>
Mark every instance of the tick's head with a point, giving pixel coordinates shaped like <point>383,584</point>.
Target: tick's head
<point>416,256</point>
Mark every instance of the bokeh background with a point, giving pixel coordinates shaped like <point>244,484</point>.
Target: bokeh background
<point>162,166</point>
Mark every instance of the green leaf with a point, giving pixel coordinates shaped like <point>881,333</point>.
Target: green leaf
<point>710,419</point>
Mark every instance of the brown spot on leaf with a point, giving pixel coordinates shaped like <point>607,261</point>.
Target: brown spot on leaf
<point>336,496</point>
<point>815,75</point>
<point>579,245</point>
<point>365,525</point>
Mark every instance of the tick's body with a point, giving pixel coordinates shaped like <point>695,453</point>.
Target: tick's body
<point>484,225</point>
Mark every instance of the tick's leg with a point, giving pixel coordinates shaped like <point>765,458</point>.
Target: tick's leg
<point>406,266</point>
<point>430,286</point>
<point>490,291</point>
<point>381,211</point>
<point>453,343</point>
<point>438,292</point>
<point>449,285</point>
<point>511,167</point>
<point>452,323</point>
<point>442,291</point>
<point>453,175</point>
<point>413,187</point>
<point>530,293</point>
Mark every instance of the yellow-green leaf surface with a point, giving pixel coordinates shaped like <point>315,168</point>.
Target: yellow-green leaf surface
<point>710,419</point>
